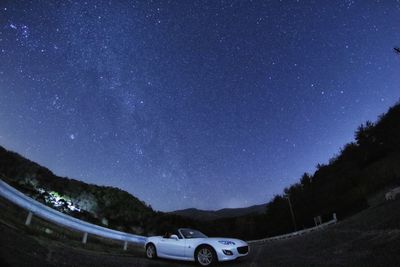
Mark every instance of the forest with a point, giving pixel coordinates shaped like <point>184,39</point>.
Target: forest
<point>345,185</point>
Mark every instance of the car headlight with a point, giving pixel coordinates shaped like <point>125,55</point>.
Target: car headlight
<point>227,252</point>
<point>226,242</point>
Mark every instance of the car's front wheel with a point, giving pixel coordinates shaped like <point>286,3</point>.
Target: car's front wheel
<point>205,256</point>
<point>151,252</point>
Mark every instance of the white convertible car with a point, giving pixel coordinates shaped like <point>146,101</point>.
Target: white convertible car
<point>192,245</point>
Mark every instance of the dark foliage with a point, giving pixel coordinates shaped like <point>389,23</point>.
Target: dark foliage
<point>362,168</point>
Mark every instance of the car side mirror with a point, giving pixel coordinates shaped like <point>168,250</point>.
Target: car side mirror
<point>174,237</point>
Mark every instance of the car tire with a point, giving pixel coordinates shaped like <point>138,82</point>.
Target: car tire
<point>205,256</point>
<point>151,251</point>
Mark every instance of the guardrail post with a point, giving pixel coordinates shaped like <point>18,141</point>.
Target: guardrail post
<point>29,218</point>
<point>125,245</point>
<point>84,239</point>
<point>35,208</point>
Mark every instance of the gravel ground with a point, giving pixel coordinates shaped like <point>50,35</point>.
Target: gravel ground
<point>370,238</point>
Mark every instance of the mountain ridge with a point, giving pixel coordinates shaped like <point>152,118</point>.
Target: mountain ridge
<point>208,215</point>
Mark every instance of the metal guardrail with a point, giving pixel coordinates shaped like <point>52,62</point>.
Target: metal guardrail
<point>297,233</point>
<point>38,209</point>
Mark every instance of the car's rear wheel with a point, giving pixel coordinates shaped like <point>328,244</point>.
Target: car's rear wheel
<point>151,252</point>
<point>205,256</point>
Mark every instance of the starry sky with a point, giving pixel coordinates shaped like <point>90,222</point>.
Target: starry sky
<point>205,104</point>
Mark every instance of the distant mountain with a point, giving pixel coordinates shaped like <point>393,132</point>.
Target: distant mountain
<point>208,215</point>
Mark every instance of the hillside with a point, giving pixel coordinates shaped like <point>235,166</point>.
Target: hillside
<point>102,205</point>
<point>346,185</point>
<point>209,215</point>
<point>107,206</point>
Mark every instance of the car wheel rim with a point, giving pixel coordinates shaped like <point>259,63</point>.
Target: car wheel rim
<point>150,251</point>
<point>204,257</point>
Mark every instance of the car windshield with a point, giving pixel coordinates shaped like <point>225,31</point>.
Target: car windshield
<point>190,233</point>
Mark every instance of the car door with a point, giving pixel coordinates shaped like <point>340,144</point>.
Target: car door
<point>172,247</point>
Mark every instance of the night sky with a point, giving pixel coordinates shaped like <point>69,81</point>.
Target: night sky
<point>206,104</point>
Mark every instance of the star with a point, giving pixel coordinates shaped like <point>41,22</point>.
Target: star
<point>164,99</point>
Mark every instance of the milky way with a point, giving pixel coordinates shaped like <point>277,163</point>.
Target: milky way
<point>205,104</point>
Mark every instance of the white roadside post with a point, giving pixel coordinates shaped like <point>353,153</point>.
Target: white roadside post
<point>29,218</point>
<point>84,239</point>
<point>125,245</point>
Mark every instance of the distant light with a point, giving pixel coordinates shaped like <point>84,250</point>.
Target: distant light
<point>57,200</point>
<point>73,208</point>
<point>72,136</point>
